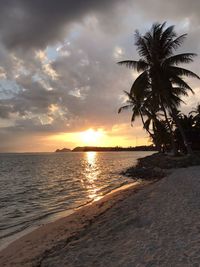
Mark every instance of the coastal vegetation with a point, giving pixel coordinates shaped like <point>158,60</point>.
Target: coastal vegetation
<point>115,149</point>
<point>157,93</point>
<point>108,149</point>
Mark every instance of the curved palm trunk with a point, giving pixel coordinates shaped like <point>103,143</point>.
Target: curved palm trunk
<point>144,125</point>
<point>174,147</point>
<point>151,135</point>
<point>186,143</point>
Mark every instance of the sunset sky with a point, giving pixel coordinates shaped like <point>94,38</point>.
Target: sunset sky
<point>60,85</point>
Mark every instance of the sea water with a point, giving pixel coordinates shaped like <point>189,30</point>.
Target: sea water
<point>36,188</point>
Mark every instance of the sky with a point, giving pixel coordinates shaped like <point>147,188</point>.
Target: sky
<point>60,85</point>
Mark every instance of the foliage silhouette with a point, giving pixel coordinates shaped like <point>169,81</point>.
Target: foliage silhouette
<point>160,84</point>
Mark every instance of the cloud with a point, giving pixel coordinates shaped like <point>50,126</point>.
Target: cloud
<point>27,23</point>
<point>58,59</point>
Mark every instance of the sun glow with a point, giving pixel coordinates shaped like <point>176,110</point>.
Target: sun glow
<point>117,136</point>
<point>91,137</point>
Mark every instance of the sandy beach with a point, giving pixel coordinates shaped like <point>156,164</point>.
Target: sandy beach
<point>151,224</point>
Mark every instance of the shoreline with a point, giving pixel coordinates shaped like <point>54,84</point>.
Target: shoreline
<point>63,228</point>
<point>57,216</point>
<point>154,223</point>
<point>5,242</point>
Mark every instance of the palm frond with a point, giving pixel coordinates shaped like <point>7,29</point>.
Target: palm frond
<point>139,65</point>
<point>183,72</point>
<point>134,115</point>
<point>176,101</point>
<point>179,91</point>
<point>160,30</point>
<point>127,94</point>
<point>140,85</point>
<point>180,58</point>
<point>175,43</point>
<point>147,123</point>
<point>169,33</point>
<point>124,108</point>
<point>181,83</point>
<point>142,47</point>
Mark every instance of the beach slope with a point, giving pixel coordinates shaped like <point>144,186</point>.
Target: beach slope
<point>154,225</point>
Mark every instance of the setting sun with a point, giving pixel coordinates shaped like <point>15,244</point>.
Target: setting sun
<point>91,137</point>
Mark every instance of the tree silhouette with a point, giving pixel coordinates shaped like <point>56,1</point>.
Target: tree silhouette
<point>160,82</point>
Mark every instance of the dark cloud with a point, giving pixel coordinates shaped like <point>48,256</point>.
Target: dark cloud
<point>27,23</point>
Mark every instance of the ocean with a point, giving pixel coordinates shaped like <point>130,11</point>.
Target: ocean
<point>37,188</point>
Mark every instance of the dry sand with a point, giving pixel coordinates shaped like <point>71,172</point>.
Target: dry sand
<point>144,225</point>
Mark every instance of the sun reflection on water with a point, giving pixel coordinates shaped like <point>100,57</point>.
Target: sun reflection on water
<point>91,175</point>
<point>91,157</point>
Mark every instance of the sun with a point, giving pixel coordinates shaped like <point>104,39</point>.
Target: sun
<point>91,137</point>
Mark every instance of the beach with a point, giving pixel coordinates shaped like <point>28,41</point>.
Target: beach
<point>148,224</point>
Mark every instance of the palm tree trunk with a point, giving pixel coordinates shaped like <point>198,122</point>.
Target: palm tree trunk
<point>151,135</point>
<point>174,147</point>
<point>144,125</point>
<point>186,143</point>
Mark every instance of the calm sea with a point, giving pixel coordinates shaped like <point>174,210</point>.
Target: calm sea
<point>41,187</point>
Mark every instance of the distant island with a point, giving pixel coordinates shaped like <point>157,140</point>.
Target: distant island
<point>63,150</point>
<point>108,149</point>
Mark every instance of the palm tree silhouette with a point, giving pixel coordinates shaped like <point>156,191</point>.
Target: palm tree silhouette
<point>159,132</point>
<point>136,104</point>
<point>196,117</point>
<point>160,75</point>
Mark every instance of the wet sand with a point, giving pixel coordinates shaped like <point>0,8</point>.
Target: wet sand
<point>156,224</point>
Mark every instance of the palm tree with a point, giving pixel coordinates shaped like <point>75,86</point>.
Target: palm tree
<point>191,130</point>
<point>161,134</point>
<point>196,118</point>
<point>136,105</point>
<point>196,110</point>
<point>159,71</point>
<point>140,109</point>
